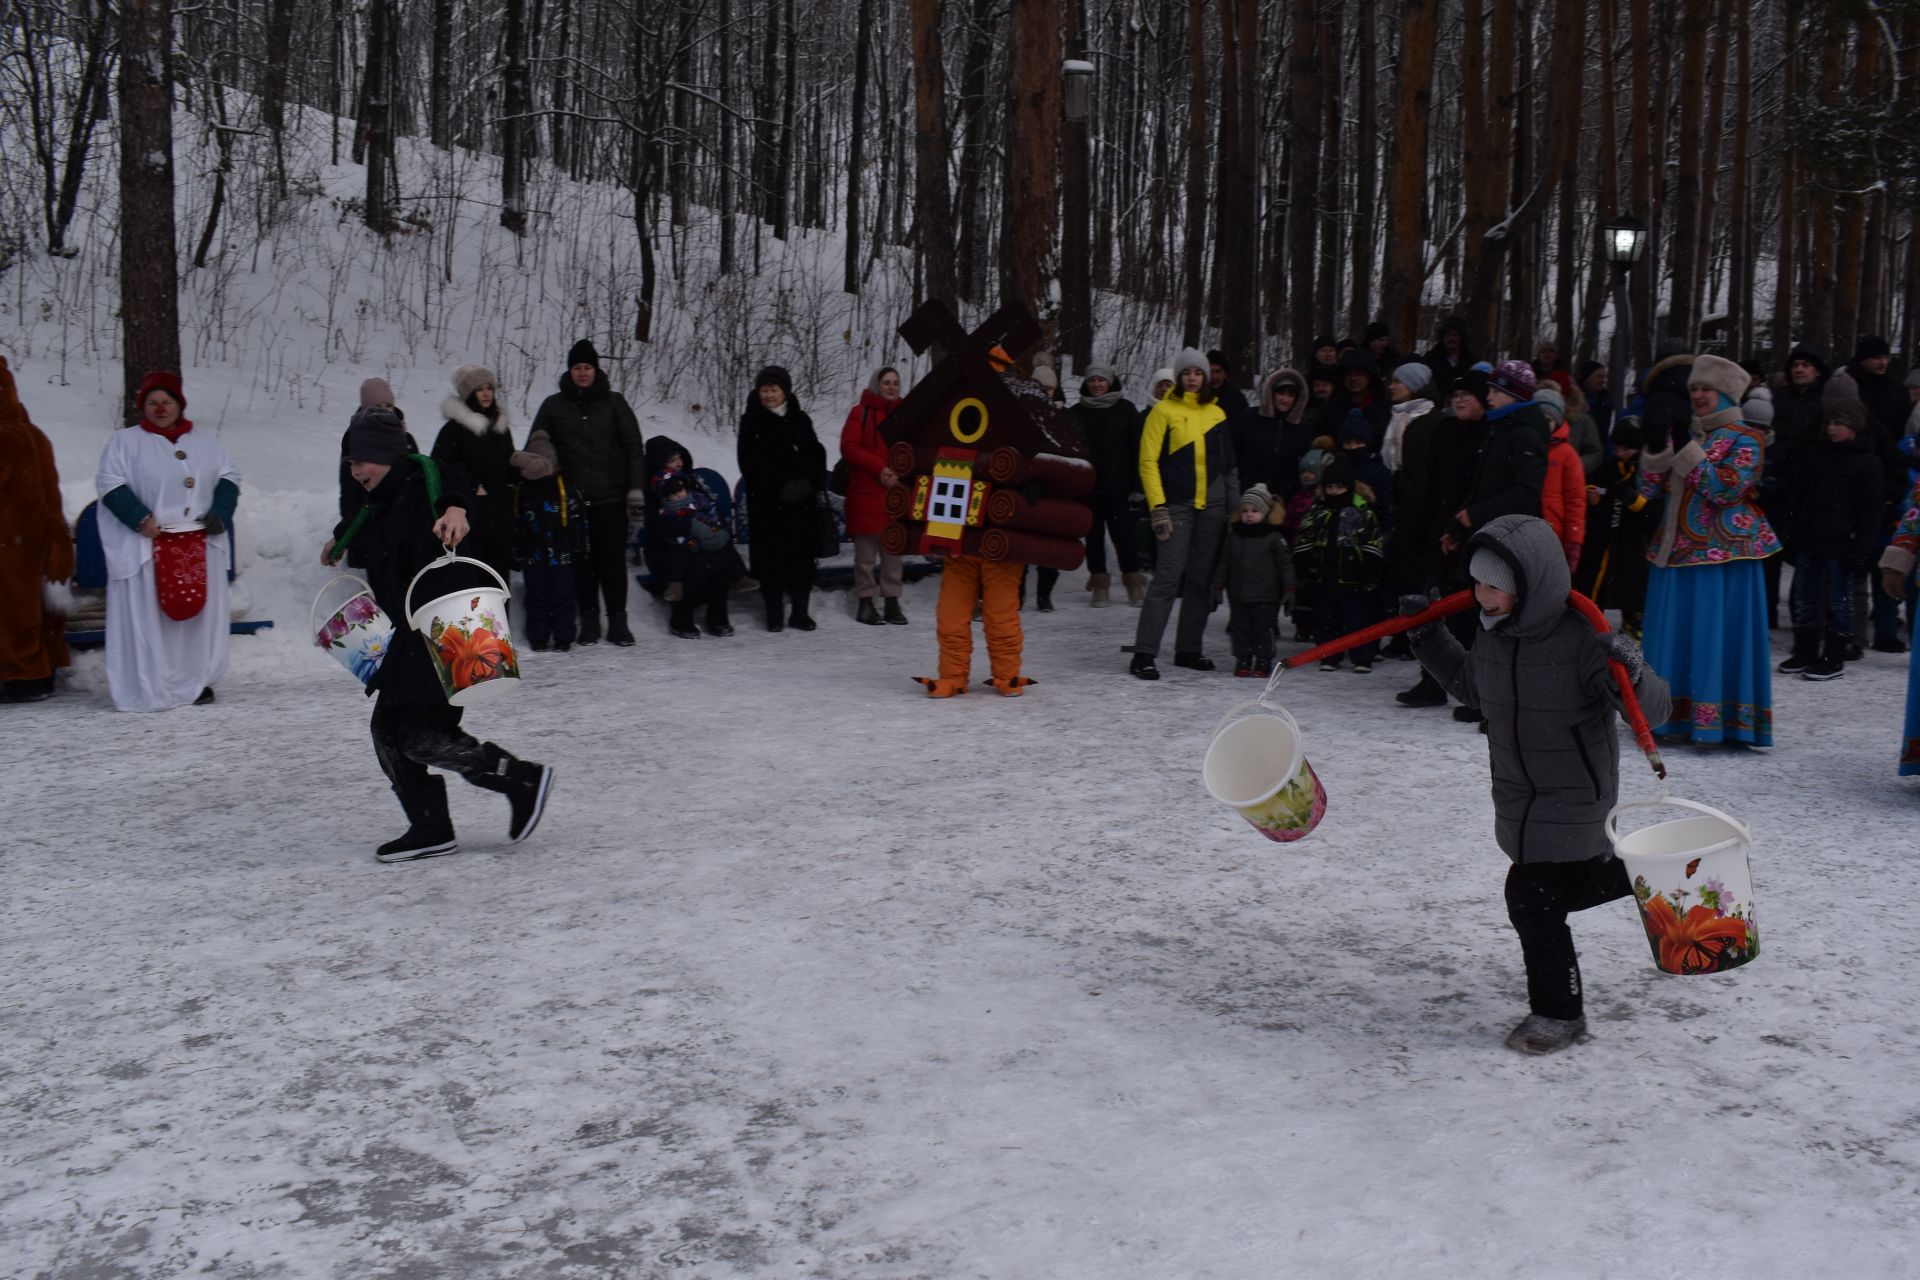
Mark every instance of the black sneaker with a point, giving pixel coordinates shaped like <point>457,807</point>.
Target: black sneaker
<point>802,622</point>
<point>1824,668</point>
<point>621,634</point>
<point>418,844</point>
<point>1143,667</point>
<point>1794,665</point>
<point>1191,661</point>
<point>1362,668</point>
<point>527,787</point>
<point>1469,715</point>
<point>683,631</point>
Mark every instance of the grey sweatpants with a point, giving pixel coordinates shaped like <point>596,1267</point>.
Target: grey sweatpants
<point>1183,571</point>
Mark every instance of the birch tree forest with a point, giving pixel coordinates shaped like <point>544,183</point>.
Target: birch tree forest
<point>1246,174</point>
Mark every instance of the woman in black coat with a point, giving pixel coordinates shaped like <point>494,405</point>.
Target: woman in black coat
<point>785,470</point>
<point>474,450</point>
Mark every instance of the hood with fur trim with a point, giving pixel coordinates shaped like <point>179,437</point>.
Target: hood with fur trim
<point>1283,378</point>
<point>454,409</point>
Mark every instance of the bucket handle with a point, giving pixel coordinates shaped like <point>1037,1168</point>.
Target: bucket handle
<point>1261,702</point>
<point>1661,802</point>
<point>313,614</point>
<point>443,562</point>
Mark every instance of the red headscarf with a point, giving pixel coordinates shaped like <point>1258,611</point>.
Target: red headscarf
<point>161,380</point>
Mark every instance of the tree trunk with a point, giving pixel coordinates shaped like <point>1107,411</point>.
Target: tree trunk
<point>1639,200</point>
<point>1563,139</point>
<point>1076,274</point>
<point>1034,156</point>
<point>1740,321</point>
<point>1490,178</point>
<point>723,92</point>
<point>1366,145</point>
<point>513,122</point>
<point>971,267</point>
<point>1850,303</point>
<point>1327,290</point>
<point>1407,186</point>
<point>1781,338</point>
<point>1304,181</point>
<point>273,86</point>
<point>1823,270</point>
<point>1239,184</point>
<point>377,96</point>
<point>1699,292</point>
<point>149,271</point>
<point>856,145</point>
<point>1195,218</point>
<point>932,203</point>
<point>783,180</point>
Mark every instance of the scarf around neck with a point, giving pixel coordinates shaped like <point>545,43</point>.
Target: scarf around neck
<point>170,434</point>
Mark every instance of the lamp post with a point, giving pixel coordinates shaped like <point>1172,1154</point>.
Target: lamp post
<point>1622,241</point>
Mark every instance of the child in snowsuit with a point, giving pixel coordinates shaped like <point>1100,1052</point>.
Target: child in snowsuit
<point>1312,463</point>
<point>1256,569</point>
<point>414,727</point>
<point>694,554</point>
<point>1613,559</point>
<point>550,535</point>
<point>1340,554</point>
<point>1539,673</point>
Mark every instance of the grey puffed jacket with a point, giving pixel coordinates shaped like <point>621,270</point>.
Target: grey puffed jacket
<point>1543,682</point>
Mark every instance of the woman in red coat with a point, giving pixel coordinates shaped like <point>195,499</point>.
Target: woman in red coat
<point>868,479</point>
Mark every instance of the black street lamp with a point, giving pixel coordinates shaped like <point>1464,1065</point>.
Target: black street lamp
<point>1623,241</point>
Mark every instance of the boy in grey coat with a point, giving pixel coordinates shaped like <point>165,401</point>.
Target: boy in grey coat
<point>1256,569</point>
<point>1540,674</point>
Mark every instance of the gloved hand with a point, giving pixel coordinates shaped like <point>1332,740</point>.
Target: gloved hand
<point>1625,650</point>
<point>1162,521</point>
<point>1286,604</point>
<point>213,524</point>
<point>1412,605</point>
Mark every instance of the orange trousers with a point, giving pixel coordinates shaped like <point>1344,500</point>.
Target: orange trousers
<point>996,586</point>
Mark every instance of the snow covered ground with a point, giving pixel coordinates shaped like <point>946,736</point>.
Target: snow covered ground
<point>808,975</point>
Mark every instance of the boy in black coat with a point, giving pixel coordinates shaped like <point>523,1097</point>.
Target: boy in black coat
<point>1540,674</point>
<point>1837,505</point>
<point>414,727</point>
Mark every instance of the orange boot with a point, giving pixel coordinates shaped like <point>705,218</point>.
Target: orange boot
<point>960,584</point>
<point>1000,616</point>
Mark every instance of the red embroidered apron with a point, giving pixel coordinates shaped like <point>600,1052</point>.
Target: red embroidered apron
<point>180,573</point>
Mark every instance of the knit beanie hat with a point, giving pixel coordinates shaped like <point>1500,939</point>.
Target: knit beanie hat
<point>376,435</point>
<point>1555,404</point>
<point>1481,366</point>
<point>582,352</point>
<point>1257,498</point>
<point>1490,567</point>
<point>375,391</point>
<point>1339,471</point>
<point>1515,377</point>
<point>773,375</point>
<point>160,380</point>
<point>1913,377</point>
<point>1316,461</point>
<point>469,378</point>
<point>1220,358</point>
<point>1161,375</point>
<point>1103,371</point>
<point>1325,340</point>
<point>1374,330</point>
<point>1355,427</point>
<point>1757,411</point>
<point>1414,376</point>
<point>1840,401</point>
<point>1586,369</point>
<point>1473,382</point>
<point>1870,345</point>
<point>1321,373</point>
<point>1628,434</point>
<point>1815,356</point>
<point>1723,375</point>
<point>1359,358</point>
<point>1189,358</point>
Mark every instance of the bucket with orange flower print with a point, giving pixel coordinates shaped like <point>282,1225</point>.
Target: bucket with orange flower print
<point>466,629</point>
<point>1256,765</point>
<point>1695,889</point>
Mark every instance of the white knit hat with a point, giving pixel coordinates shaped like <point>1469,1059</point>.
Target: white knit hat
<point>1490,567</point>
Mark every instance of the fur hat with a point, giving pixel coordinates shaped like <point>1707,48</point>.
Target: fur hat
<point>1720,373</point>
<point>1869,345</point>
<point>582,352</point>
<point>1553,402</point>
<point>160,380</point>
<point>375,392</point>
<point>1840,401</point>
<point>1258,498</point>
<point>1414,376</point>
<point>1515,377</point>
<point>1490,567</point>
<point>469,378</point>
<point>376,435</point>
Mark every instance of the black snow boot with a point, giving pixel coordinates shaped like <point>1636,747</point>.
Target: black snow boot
<point>430,829</point>
<point>1832,662</point>
<point>589,627</point>
<point>717,622</point>
<point>1806,651</point>
<point>680,621</point>
<point>800,619</point>
<point>892,612</point>
<point>869,615</point>
<point>1143,667</point>
<point>1193,661</point>
<point>1427,693</point>
<point>522,782</point>
<point>1469,715</point>
<point>776,617</point>
<point>1538,1034</point>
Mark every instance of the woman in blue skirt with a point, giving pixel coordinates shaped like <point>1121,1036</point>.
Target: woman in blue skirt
<point>1896,570</point>
<point>1706,625</point>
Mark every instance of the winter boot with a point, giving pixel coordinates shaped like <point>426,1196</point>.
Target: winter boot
<point>800,619</point>
<point>618,632</point>
<point>680,622</point>
<point>1143,667</point>
<point>892,612</point>
<point>1136,585</point>
<point>522,782</point>
<point>430,827</point>
<point>1832,662</point>
<point>1193,661</point>
<point>1889,643</point>
<point>1009,686</point>
<point>869,615</point>
<point>1101,585</point>
<point>1427,693</point>
<point>943,686</point>
<point>1538,1034</point>
<point>1806,651</point>
<point>589,627</point>
<point>1243,667</point>
<point>1469,715</point>
<point>1399,648</point>
<point>776,616</point>
<point>717,622</point>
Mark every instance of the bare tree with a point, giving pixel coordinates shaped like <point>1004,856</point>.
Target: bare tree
<point>149,271</point>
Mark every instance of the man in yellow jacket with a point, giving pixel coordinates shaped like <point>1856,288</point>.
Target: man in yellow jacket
<point>1188,472</point>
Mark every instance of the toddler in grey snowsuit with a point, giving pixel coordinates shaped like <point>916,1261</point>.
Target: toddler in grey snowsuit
<point>1539,672</point>
<point>1256,569</point>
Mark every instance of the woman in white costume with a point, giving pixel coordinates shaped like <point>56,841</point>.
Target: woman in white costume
<point>167,630</point>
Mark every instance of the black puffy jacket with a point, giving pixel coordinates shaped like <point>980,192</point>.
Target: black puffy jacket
<point>595,438</point>
<point>1543,682</point>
